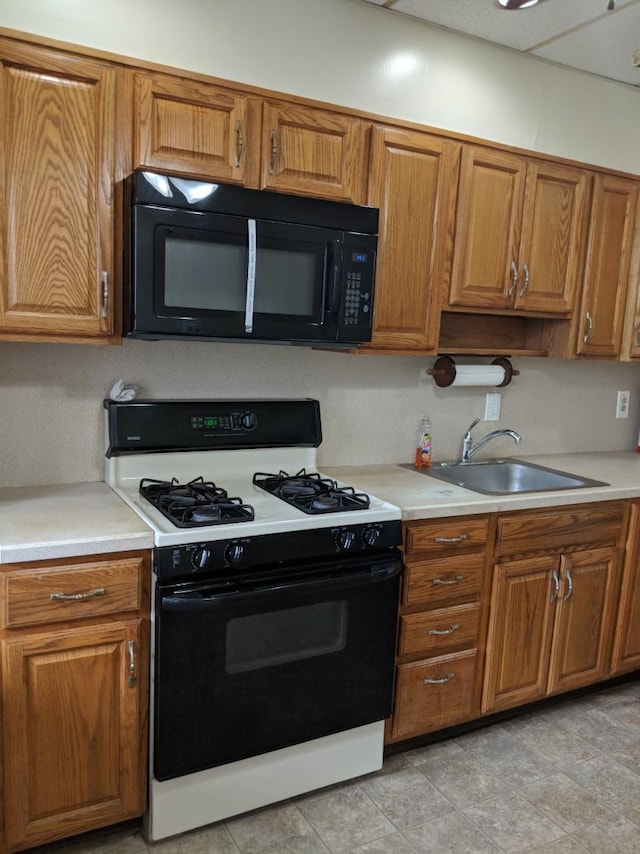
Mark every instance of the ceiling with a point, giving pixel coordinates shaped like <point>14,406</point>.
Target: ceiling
<point>582,34</point>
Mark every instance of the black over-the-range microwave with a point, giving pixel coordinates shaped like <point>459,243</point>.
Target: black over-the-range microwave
<point>215,261</point>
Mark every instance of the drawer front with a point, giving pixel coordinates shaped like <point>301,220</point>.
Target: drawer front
<point>439,536</point>
<point>435,694</point>
<point>57,593</point>
<point>439,632</point>
<point>561,528</point>
<point>445,582</point>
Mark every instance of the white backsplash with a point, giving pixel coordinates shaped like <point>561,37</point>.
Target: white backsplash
<point>51,416</point>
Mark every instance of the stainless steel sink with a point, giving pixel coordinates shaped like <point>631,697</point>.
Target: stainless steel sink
<point>508,476</point>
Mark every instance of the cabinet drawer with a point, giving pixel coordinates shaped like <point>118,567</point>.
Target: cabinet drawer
<point>432,695</point>
<point>56,593</point>
<point>441,583</point>
<point>441,535</point>
<point>561,528</point>
<point>439,632</point>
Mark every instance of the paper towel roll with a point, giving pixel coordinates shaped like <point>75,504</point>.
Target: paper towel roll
<point>469,375</point>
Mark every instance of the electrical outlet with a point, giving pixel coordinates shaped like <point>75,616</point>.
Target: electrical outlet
<point>622,404</point>
<point>492,406</point>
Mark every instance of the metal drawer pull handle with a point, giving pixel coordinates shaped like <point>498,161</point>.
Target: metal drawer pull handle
<point>454,628</point>
<point>587,335</point>
<point>450,581</point>
<point>131,646</point>
<point>444,679</point>
<point>459,539</point>
<point>567,595</point>
<point>274,151</point>
<point>556,585</point>
<point>97,591</point>
<point>516,276</point>
<point>524,288</point>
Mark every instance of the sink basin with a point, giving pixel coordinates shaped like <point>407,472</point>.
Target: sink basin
<point>507,477</point>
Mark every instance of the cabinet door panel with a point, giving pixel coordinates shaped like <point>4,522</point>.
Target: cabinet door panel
<point>626,649</point>
<point>584,620</point>
<point>606,280</point>
<point>413,183</point>
<point>490,199</point>
<point>56,179</point>
<point>552,238</point>
<point>314,152</point>
<point>196,129</point>
<point>71,730</point>
<point>520,627</point>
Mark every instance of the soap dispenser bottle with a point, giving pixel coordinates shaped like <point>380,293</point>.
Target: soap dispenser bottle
<point>423,444</point>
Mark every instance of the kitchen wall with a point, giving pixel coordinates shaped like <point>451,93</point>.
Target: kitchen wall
<point>345,52</point>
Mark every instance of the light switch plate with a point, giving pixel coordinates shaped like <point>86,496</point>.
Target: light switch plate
<point>492,406</point>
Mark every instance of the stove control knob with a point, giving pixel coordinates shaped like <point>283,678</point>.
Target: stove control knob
<point>200,557</point>
<point>344,540</point>
<point>370,536</point>
<point>234,554</point>
<point>249,421</point>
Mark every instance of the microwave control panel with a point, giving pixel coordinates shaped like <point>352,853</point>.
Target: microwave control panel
<point>357,305</point>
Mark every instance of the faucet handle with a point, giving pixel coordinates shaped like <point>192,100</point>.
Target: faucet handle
<point>472,425</point>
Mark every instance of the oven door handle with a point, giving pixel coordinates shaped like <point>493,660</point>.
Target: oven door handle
<point>197,600</point>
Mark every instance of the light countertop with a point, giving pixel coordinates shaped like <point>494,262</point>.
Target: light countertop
<point>422,497</point>
<point>43,522</point>
<point>50,522</point>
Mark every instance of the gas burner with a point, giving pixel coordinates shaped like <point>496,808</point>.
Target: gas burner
<point>311,493</point>
<point>195,503</point>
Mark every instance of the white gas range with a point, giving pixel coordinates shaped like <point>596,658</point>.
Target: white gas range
<point>274,605</point>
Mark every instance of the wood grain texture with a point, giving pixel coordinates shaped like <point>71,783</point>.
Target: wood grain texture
<point>442,536</point>
<point>626,647</point>
<point>445,630</point>
<point>56,190</point>
<point>443,581</point>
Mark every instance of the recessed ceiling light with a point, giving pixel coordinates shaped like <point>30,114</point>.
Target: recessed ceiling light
<point>517,4</point>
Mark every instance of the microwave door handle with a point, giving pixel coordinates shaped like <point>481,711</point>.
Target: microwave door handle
<point>334,264</point>
<point>251,277</point>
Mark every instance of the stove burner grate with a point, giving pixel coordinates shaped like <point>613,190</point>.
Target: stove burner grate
<point>196,503</point>
<point>311,493</point>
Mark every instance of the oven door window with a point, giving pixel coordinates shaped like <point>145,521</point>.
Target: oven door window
<point>242,672</point>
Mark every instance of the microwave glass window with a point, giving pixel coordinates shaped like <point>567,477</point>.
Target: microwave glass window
<point>212,275</point>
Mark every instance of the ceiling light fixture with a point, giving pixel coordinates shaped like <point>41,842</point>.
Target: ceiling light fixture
<point>517,4</point>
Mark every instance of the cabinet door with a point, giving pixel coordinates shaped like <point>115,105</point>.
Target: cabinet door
<point>56,182</point>
<point>584,621</point>
<point>413,183</point>
<point>314,152</point>
<point>606,278</point>
<point>73,701</point>
<point>520,625</point>
<point>553,234</point>
<point>488,223</point>
<point>196,129</point>
<point>626,648</point>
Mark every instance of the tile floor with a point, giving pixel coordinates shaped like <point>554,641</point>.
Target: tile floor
<point>563,779</point>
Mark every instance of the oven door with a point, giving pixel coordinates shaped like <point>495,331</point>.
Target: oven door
<point>244,667</point>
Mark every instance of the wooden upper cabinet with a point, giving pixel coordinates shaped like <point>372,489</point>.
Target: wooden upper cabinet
<point>314,152</point>
<point>56,181</point>
<point>413,181</point>
<point>607,267</point>
<point>519,235</point>
<point>196,129</point>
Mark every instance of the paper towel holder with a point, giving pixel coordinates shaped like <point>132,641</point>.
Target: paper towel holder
<point>444,371</point>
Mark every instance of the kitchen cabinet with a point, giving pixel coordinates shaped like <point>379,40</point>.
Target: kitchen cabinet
<point>520,232</point>
<point>626,647</point>
<point>204,130</point>
<point>74,639</point>
<point>412,181</point>
<point>607,267</point>
<point>195,128</point>
<point>553,602</point>
<point>442,618</point>
<point>57,156</point>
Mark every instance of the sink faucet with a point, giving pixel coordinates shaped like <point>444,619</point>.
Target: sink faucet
<point>468,449</point>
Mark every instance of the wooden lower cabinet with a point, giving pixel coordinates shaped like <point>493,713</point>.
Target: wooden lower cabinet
<point>626,647</point>
<point>74,701</point>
